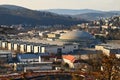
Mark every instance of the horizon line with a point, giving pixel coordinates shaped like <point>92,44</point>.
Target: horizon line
<point>58,8</point>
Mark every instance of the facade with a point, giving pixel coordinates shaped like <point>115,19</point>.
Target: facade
<point>34,62</point>
<point>28,47</point>
<point>4,44</point>
<point>69,59</point>
<point>22,48</point>
<point>9,46</point>
<point>36,49</point>
<point>107,49</point>
<point>53,35</point>
<point>16,46</point>
<point>6,55</point>
<point>61,49</point>
<point>86,54</point>
<point>75,63</point>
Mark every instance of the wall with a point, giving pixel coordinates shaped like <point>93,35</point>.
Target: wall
<point>16,46</point>
<point>29,48</point>
<point>36,49</point>
<point>23,48</point>
<point>71,65</point>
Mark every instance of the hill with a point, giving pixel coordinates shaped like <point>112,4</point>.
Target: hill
<point>95,16</point>
<point>10,14</point>
<point>72,11</point>
<point>87,14</point>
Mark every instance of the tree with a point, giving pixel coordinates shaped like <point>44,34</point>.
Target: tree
<point>110,67</point>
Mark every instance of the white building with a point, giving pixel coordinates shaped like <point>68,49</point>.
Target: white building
<point>107,49</point>
<point>37,49</point>
<point>22,48</point>
<point>9,46</point>
<point>69,59</point>
<point>33,62</point>
<point>59,49</point>
<point>29,48</point>
<point>4,44</point>
<point>16,46</point>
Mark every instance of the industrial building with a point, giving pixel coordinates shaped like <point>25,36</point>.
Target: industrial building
<point>32,62</point>
<point>28,47</point>
<point>5,55</point>
<point>107,49</point>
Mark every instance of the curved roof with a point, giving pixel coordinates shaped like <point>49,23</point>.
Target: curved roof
<point>76,35</point>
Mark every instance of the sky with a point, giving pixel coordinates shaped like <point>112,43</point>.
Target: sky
<point>104,5</point>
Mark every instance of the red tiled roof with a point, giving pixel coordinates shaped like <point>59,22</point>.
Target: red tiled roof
<point>69,57</point>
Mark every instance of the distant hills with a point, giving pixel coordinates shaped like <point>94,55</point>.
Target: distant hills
<point>95,16</point>
<point>88,14</point>
<point>73,11</point>
<point>10,14</point>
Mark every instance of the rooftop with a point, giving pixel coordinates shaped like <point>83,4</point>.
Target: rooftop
<point>69,57</point>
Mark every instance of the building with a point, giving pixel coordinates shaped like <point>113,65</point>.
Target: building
<point>86,54</point>
<point>69,59</point>
<point>75,63</point>
<point>36,49</point>
<point>107,49</point>
<point>83,38</point>
<point>28,47</point>
<point>59,49</point>
<point>26,58</point>
<point>53,35</point>
<point>5,55</point>
<point>34,62</point>
<point>4,44</point>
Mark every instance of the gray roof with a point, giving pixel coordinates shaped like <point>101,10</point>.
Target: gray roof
<point>75,35</point>
<point>31,55</point>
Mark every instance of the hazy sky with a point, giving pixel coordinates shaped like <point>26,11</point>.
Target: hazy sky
<point>66,4</point>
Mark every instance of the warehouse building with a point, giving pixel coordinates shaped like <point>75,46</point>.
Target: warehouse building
<point>28,47</point>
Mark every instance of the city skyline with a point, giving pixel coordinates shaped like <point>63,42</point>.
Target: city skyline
<point>104,5</point>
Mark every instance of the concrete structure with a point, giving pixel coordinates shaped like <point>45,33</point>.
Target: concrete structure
<point>53,35</point>
<point>59,49</point>
<point>86,54</point>
<point>107,49</point>
<point>83,38</point>
<point>22,48</point>
<point>33,62</point>
<point>76,35</point>
<point>10,46</point>
<point>29,48</point>
<point>37,49</point>
<point>16,46</point>
<point>4,44</point>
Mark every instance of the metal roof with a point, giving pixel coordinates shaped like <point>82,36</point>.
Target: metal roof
<point>31,55</point>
